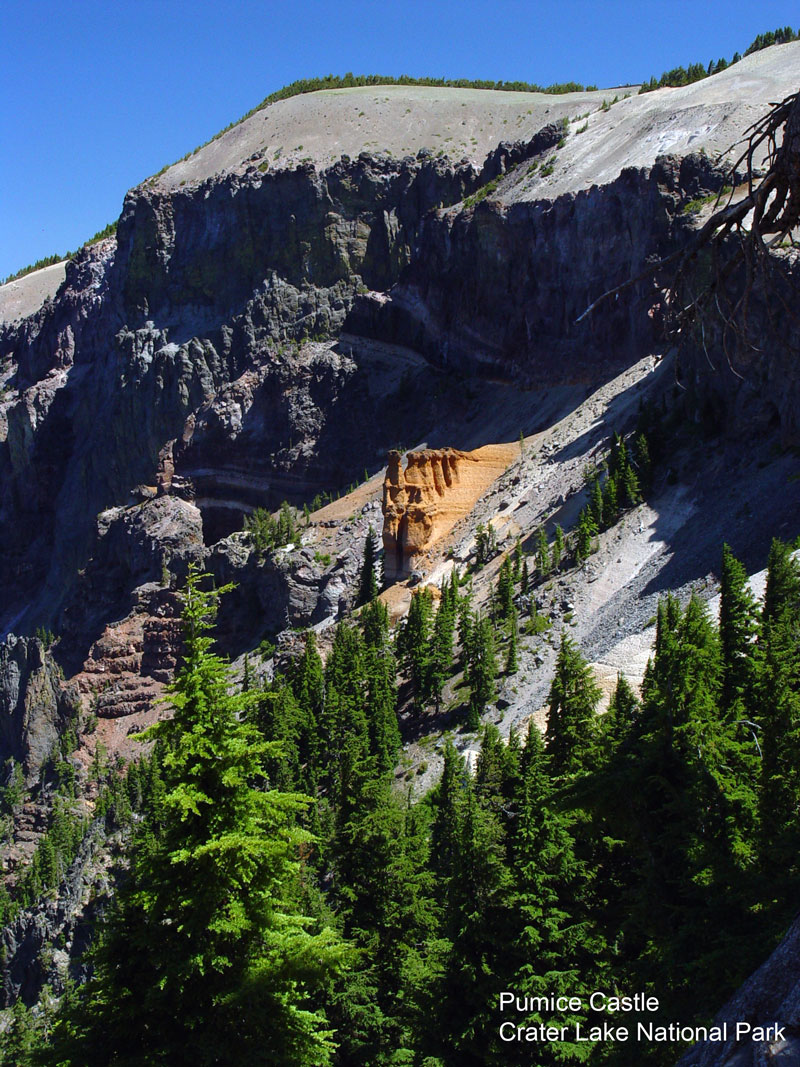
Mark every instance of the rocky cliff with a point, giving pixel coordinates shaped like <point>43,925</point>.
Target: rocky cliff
<point>275,333</point>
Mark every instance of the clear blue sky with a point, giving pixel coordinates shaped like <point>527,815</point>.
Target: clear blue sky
<point>99,94</point>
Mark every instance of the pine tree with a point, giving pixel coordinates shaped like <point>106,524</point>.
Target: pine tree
<point>629,485</point>
<point>737,629</point>
<point>382,892</point>
<point>542,553</point>
<point>585,535</point>
<point>505,590</point>
<point>595,508</point>
<point>555,948</point>
<point>779,714</point>
<point>512,659</point>
<point>481,670</point>
<point>643,463</point>
<point>440,663</point>
<point>571,724</point>
<point>413,644</point>
<point>622,711</point>
<point>524,578</point>
<point>380,672</point>
<point>368,582</point>
<point>206,958</point>
<point>610,502</point>
<point>558,548</point>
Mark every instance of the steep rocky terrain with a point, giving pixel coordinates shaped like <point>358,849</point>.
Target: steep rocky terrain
<point>271,325</point>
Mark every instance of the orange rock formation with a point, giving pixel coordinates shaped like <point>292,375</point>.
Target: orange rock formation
<point>423,502</point>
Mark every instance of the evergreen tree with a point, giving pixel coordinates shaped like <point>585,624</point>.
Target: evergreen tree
<point>368,582</point>
<point>505,590</point>
<point>481,670</point>
<point>585,535</point>
<point>610,497</point>
<point>558,548</point>
<point>622,711</point>
<point>629,485</point>
<point>517,560</point>
<point>571,724</point>
<point>542,553</point>
<point>478,924</point>
<point>524,580</point>
<point>512,659</point>
<point>643,464</point>
<point>440,664</point>
<point>555,949</point>
<point>206,958</point>
<point>414,644</point>
<point>737,629</point>
<point>595,508</point>
<point>380,673</point>
<point>383,894</point>
<point>779,707</point>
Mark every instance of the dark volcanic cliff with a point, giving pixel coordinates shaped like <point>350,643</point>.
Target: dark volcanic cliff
<point>182,355</point>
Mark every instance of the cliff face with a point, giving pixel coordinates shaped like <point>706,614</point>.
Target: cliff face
<point>203,299</point>
<point>500,286</point>
<point>179,355</point>
<point>33,708</point>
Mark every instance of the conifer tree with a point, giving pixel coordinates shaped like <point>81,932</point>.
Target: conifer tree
<point>571,724</point>
<point>629,485</point>
<point>524,580</point>
<point>381,688</point>
<point>206,958</point>
<point>542,553</point>
<point>737,629</point>
<point>505,590</point>
<point>595,508</point>
<point>512,659</point>
<point>383,894</point>
<point>478,924</point>
<point>586,532</point>
<point>481,670</point>
<point>779,707</point>
<point>558,548</point>
<point>368,582</point>
<point>414,644</point>
<point>644,467</point>
<point>610,502</point>
<point>440,663</point>
<point>555,948</point>
<point>622,711</point>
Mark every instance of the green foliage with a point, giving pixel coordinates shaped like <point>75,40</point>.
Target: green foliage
<point>207,956</point>
<point>483,192</point>
<point>697,71</point>
<point>49,261</point>
<point>481,669</point>
<point>347,81</point>
<point>783,35</point>
<point>368,582</point>
<point>571,723</point>
<point>485,543</point>
<point>267,532</point>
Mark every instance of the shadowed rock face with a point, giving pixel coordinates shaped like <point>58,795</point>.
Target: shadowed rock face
<point>769,998</point>
<point>33,706</point>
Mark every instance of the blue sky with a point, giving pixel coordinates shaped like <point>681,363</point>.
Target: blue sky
<point>99,94</point>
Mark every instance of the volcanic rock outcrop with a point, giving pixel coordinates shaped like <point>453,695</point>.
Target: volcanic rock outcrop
<point>423,502</point>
